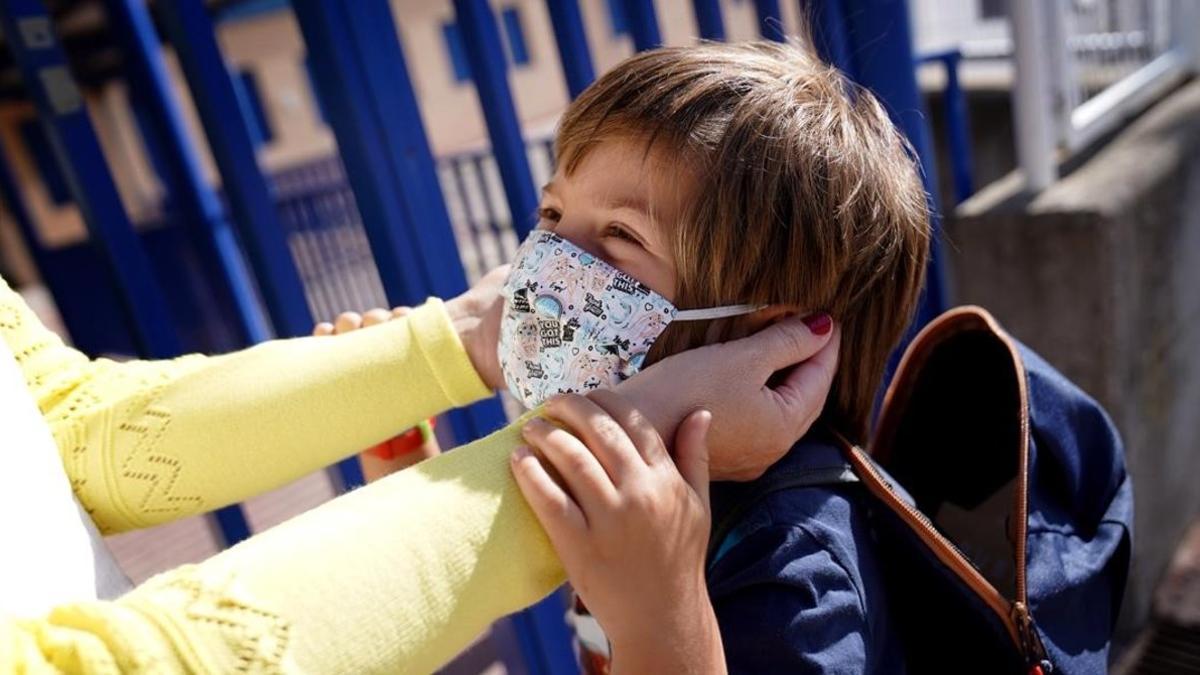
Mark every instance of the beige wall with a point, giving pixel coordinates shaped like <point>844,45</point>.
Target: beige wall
<point>272,48</point>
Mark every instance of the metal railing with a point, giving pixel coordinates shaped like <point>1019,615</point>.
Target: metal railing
<point>1084,67</point>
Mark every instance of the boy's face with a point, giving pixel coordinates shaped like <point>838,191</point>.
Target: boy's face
<point>617,205</point>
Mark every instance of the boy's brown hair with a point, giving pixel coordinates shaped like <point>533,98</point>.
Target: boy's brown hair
<point>803,193</point>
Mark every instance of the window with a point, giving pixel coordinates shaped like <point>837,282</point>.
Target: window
<point>512,32</point>
<point>38,146</point>
<point>617,17</point>
<point>993,9</point>
<point>458,52</point>
<point>245,84</point>
<point>517,49</point>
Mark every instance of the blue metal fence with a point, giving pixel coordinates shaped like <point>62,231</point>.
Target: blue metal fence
<point>384,223</point>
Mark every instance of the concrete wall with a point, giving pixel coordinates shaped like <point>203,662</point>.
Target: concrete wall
<point>1100,273</point>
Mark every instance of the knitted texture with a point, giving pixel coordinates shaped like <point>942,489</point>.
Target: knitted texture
<point>146,442</point>
<point>398,576</point>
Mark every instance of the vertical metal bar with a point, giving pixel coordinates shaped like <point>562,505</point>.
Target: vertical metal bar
<point>880,40</point>
<point>151,87</point>
<point>62,111</point>
<point>708,19</point>
<point>1032,98</point>
<point>643,23</point>
<point>191,31</point>
<point>770,19</point>
<point>464,200</point>
<point>361,73</point>
<point>30,36</point>
<point>490,72</point>
<point>491,207</point>
<point>1064,77</point>
<point>958,129</point>
<point>572,45</point>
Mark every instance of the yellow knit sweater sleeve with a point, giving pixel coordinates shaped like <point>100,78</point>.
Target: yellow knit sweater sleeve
<point>396,577</point>
<point>145,442</point>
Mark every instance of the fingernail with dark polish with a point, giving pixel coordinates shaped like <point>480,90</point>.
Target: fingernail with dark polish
<point>819,324</point>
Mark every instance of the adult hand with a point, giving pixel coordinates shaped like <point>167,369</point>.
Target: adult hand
<point>764,392</point>
<point>630,526</point>
<point>476,317</point>
<point>349,321</point>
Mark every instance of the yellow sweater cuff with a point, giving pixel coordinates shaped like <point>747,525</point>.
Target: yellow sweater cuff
<point>435,336</point>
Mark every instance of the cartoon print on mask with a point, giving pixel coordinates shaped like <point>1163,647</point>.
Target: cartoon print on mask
<point>574,323</point>
<point>569,328</point>
<point>593,306</point>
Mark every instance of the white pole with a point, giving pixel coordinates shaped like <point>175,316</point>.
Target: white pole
<point>1032,98</point>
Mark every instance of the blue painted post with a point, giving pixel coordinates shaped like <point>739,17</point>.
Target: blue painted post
<point>149,84</point>
<point>31,40</point>
<point>770,20</point>
<point>643,23</point>
<point>880,43</point>
<point>572,45</point>
<point>828,25</point>
<point>490,72</point>
<point>361,73</point>
<point>708,19</point>
<point>958,129</point>
<point>69,129</point>
<point>191,32</point>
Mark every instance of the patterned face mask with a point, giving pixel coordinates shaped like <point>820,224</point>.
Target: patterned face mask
<point>573,323</point>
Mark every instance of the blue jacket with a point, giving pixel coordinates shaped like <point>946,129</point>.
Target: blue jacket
<point>796,585</point>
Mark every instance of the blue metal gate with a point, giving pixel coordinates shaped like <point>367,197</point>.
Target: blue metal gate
<point>382,223</point>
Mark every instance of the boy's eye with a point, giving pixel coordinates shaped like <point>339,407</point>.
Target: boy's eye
<point>619,232</point>
<point>550,214</point>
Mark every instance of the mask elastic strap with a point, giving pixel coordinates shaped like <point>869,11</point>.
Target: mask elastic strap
<point>716,312</point>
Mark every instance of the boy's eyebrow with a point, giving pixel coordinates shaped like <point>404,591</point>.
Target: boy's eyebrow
<point>637,203</point>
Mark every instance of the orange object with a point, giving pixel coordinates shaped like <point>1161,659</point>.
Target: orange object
<point>407,442</point>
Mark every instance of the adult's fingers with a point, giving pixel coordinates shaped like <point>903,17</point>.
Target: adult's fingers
<point>585,478</point>
<point>375,316</point>
<point>644,437</point>
<point>781,345</point>
<point>322,329</point>
<point>561,517</point>
<point>804,389</point>
<point>347,321</point>
<point>691,452</point>
<point>595,425</point>
<point>398,312</point>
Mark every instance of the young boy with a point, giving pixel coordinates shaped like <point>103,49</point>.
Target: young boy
<point>741,184</point>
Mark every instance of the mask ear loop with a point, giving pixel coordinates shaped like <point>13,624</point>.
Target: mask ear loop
<point>716,312</point>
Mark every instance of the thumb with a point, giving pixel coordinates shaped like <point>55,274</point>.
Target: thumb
<point>691,452</point>
<point>786,343</point>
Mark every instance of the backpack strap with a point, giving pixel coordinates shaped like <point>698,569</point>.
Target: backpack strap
<point>838,474</point>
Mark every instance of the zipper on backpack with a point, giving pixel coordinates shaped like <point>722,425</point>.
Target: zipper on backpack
<point>1031,645</point>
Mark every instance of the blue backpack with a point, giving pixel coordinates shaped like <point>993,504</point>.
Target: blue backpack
<point>999,502</point>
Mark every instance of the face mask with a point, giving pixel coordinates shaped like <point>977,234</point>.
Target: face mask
<point>573,323</point>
